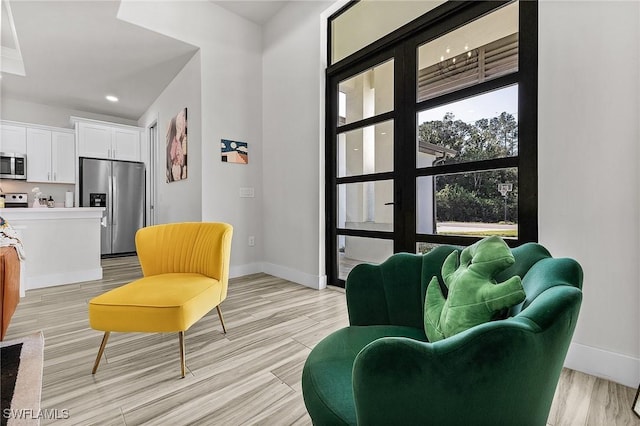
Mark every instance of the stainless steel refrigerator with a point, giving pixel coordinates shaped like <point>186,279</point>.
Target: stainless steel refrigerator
<point>119,186</point>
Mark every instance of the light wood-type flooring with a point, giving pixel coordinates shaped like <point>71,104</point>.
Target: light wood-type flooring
<point>251,375</point>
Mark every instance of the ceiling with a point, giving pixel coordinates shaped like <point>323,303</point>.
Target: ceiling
<point>74,53</point>
<point>258,11</point>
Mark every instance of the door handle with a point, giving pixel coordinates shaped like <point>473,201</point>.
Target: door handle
<point>389,204</point>
<point>114,198</point>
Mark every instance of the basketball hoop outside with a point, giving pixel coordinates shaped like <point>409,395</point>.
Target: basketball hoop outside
<point>505,188</point>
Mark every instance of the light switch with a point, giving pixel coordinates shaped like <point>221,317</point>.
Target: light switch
<point>247,192</point>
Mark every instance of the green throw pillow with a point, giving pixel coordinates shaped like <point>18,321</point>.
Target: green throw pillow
<point>474,297</point>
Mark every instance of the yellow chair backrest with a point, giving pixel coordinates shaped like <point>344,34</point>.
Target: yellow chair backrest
<point>189,247</point>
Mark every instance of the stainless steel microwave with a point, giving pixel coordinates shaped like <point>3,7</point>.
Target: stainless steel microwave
<point>13,166</point>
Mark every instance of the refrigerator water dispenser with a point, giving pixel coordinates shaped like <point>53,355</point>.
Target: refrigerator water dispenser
<point>97,199</point>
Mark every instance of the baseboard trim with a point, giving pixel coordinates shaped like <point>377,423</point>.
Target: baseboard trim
<point>608,365</point>
<point>317,282</point>
<point>242,270</point>
<point>50,280</point>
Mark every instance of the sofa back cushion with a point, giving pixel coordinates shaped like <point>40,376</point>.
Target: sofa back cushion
<point>393,293</point>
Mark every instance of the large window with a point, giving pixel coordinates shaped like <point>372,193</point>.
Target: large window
<point>431,133</point>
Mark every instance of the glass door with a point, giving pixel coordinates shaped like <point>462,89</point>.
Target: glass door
<point>431,136</point>
<point>361,197</point>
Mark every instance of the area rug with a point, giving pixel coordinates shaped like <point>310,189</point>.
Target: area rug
<point>21,370</point>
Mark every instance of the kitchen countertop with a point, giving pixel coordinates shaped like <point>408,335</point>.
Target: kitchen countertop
<point>26,213</point>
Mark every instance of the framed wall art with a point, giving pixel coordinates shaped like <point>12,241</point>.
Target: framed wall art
<point>234,152</point>
<point>177,147</point>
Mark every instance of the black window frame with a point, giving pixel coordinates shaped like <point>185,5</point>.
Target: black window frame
<point>402,45</point>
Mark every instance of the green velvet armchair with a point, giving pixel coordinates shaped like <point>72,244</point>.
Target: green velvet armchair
<point>381,370</point>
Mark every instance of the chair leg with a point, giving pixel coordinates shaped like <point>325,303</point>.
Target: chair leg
<point>224,330</point>
<point>182,361</point>
<point>100,351</point>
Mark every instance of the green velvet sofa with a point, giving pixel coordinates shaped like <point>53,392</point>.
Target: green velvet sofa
<point>381,370</point>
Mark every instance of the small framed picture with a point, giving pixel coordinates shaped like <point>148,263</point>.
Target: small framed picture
<point>234,151</point>
<point>636,403</point>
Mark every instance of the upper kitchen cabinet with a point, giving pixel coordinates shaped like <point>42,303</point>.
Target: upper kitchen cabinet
<point>63,156</point>
<point>126,144</point>
<point>50,155</point>
<point>13,138</point>
<point>50,151</point>
<point>98,139</point>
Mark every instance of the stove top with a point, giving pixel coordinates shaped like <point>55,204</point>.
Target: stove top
<point>15,200</point>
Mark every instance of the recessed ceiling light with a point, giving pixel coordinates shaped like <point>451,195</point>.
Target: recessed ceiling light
<point>111,98</point>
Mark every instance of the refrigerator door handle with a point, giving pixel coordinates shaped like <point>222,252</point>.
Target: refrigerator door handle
<point>103,222</point>
<point>114,200</point>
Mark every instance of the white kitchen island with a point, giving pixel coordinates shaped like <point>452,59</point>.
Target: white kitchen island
<point>62,245</point>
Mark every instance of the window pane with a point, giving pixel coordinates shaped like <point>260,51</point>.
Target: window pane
<point>482,127</point>
<point>366,205</point>
<point>355,250</point>
<point>481,50</point>
<point>367,150</point>
<point>469,203</point>
<point>367,21</point>
<point>424,247</point>
<point>367,94</point>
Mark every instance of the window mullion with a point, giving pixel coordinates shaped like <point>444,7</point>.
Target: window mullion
<point>405,152</point>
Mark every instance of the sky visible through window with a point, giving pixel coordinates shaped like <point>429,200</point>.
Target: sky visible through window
<point>487,105</point>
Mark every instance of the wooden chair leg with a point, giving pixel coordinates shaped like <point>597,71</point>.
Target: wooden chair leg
<point>100,351</point>
<point>182,361</point>
<point>224,330</point>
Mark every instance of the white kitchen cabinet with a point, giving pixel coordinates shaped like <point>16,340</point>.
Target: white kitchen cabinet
<point>63,156</point>
<point>104,140</point>
<point>126,144</point>
<point>63,244</point>
<point>38,155</point>
<point>94,141</point>
<point>50,156</point>
<point>13,139</point>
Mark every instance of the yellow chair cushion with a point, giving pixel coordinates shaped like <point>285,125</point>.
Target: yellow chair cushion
<point>159,303</point>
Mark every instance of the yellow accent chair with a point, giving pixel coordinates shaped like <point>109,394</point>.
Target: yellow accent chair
<point>185,269</point>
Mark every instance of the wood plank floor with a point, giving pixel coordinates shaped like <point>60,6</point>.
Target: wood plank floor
<point>249,376</point>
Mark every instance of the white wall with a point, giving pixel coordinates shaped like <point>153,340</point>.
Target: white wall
<point>179,201</point>
<point>231,108</point>
<point>50,115</point>
<point>588,183</point>
<point>293,84</point>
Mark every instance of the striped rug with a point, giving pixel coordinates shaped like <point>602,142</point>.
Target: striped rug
<point>21,383</point>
